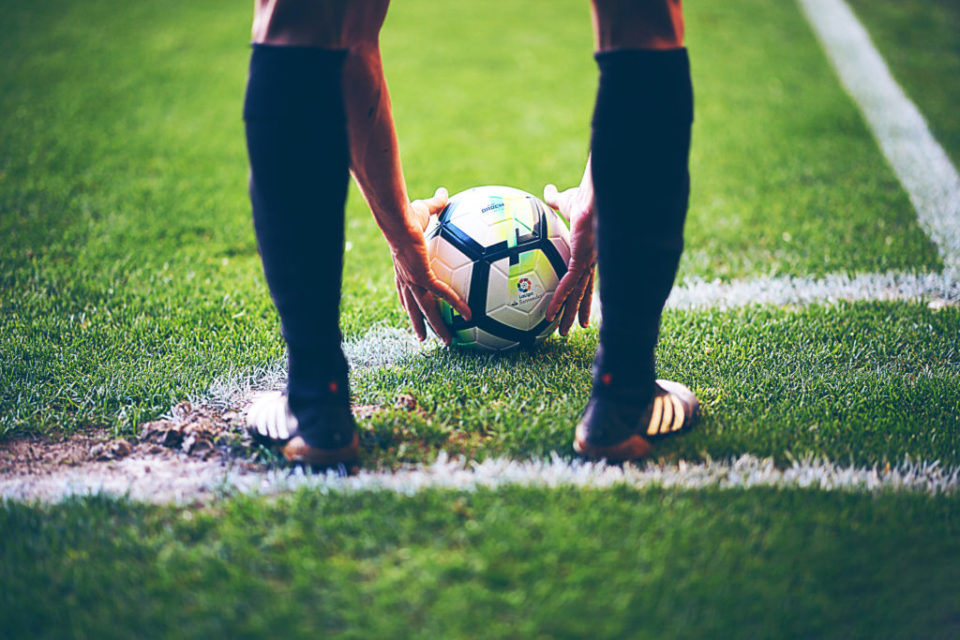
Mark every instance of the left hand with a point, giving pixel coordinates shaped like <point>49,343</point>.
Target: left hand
<point>575,291</point>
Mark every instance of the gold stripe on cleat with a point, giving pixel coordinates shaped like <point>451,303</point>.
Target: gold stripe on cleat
<point>678,413</point>
<point>667,420</point>
<point>654,426</point>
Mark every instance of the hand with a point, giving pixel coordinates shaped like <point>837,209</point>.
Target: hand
<point>417,284</point>
<point>575,290</point>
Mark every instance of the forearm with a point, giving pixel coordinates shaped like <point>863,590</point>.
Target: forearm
<point>374,150</point>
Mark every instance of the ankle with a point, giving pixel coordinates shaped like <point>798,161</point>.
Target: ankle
<point>629,382</point>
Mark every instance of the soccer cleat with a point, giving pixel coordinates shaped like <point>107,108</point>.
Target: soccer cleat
<point>329,439</point>
<point>618,432</point>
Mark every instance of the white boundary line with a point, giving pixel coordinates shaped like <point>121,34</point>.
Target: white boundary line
<point>193,481</point>
<point>919,161</point>
<point>830,289</point>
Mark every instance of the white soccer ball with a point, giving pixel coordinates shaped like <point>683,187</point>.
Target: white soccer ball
<point>503,251</point>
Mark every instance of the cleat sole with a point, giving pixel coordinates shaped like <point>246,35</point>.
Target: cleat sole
<point>297,450</point>
<point>632,448</point>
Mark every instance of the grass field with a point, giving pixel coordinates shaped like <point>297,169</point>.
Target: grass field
<point>129,281</point>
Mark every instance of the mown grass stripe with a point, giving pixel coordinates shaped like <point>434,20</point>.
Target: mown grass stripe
<point>919,161</point>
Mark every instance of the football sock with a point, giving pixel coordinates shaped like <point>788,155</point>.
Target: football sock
<point>640,146</point>
<point>299,161</point>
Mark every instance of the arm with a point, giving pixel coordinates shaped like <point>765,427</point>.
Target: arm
<point>374,150</point>
<point>375,163</point>
<point>575,291</point>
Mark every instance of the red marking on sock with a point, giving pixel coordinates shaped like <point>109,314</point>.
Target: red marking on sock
<point>334,387</point>
<point>606,379</point>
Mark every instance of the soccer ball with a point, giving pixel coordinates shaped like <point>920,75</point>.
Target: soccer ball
<point>503,251</point>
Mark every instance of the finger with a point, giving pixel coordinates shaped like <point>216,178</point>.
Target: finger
<point>570,311</point>
<point>413,310</point>
<point>567,283</point>
<point>445,291</point>
<point>428,304</point>
<point>587,302</point>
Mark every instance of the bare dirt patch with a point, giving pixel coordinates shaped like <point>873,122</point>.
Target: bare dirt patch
<point>35,454</point>
<point>200,433</point>
<point>181,458</point>
<point>178,459</point>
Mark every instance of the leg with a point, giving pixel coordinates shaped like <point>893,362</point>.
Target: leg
<point>299,158</point>
<point>640,146</point>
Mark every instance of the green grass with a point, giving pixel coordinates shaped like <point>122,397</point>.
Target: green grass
<point>518,563</point>
<point>921,44</point>
<point>129,278</point>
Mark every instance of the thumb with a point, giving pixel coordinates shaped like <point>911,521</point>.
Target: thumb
<point>550,196</point>
<point>437,203</point>
<point>553,198</point>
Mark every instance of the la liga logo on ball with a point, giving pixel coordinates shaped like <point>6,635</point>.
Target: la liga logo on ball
<point>527,293</point>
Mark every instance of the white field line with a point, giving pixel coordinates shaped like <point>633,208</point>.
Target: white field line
<point>793,290</point>
<point>938,289</point>
<point>190,482</point>
<point>918,160</point>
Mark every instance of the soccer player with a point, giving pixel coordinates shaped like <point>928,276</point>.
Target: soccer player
<point>317,107</point>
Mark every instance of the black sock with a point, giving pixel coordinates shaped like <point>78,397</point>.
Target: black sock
<point>299,161</point>
<point>640,147</point>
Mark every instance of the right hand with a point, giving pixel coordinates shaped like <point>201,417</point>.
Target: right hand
<point>417,284</point>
